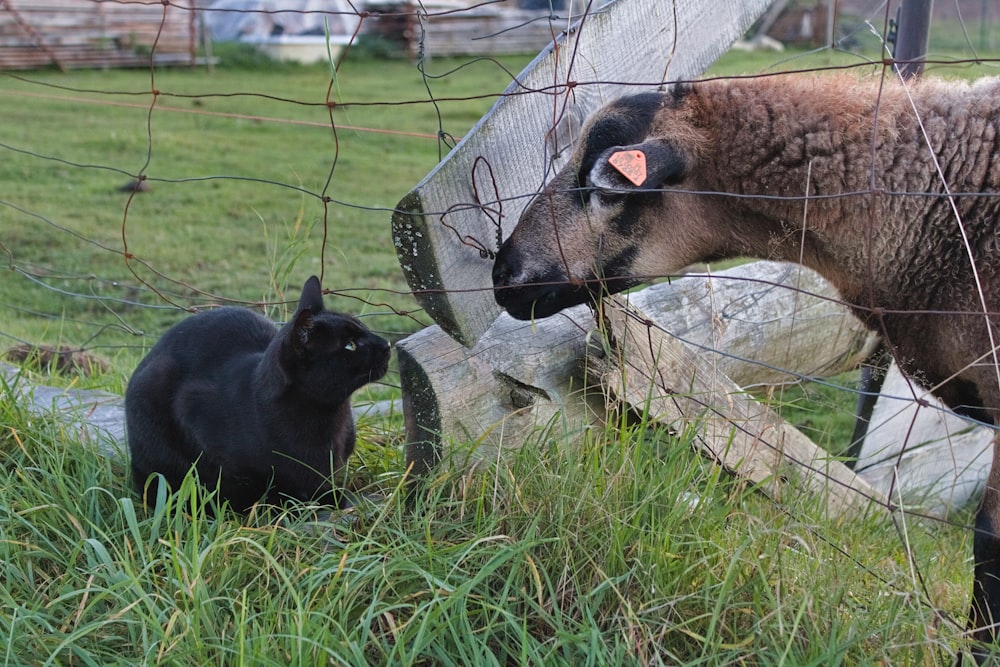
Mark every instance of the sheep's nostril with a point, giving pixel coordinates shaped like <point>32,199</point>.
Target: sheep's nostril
<point>506,267</point>
<point>500,275</point>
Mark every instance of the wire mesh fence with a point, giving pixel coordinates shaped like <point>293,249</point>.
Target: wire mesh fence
<point>131,197</point>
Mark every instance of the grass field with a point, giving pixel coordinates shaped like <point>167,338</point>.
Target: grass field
<point>624,549</point>
<point>628,549</point>
<point>251,190</point>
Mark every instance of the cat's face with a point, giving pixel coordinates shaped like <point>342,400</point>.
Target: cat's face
<point>328,355</point>
<point>333,355</point>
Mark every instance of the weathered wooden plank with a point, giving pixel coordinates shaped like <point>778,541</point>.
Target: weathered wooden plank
<point>93,34</point>
<point>97,418</point>
<point>659,375</point>
<point>489,29</point>
<point>475,402</point>
<point>446,228</point>
<point>467,405</point>
<point>763,323</point>
<point>917,448</point>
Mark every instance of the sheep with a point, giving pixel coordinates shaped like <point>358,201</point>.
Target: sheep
<point>888,190</point>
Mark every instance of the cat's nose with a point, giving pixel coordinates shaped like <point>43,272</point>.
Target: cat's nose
<point>380,345</point>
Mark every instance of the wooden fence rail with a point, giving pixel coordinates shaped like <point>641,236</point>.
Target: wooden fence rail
<point>76,33</point>
<point>474,404</point>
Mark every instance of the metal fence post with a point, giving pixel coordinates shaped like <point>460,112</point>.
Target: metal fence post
<point>912,36</point>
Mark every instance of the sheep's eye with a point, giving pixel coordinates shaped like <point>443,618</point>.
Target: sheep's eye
<point>351,345</point>
<point>601,197</point>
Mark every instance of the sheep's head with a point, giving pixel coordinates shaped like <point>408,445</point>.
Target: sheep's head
<point>593,229</point>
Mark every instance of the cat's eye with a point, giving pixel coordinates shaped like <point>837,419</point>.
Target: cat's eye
<point>351,345</point>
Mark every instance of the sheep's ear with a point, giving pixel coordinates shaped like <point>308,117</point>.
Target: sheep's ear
<point>312,296</point>
<point>650,165</point>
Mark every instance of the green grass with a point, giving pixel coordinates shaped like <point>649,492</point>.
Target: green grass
<point>624,549</point>
<point>252,190</point>
<point>628,550</point>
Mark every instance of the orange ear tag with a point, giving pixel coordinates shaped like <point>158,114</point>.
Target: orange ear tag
<point>630,164</point>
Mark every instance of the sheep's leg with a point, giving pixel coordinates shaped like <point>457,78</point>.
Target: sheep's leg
<point>985,613</point>
<point>873,370</point>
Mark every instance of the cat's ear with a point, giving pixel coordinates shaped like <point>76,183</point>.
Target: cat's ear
<point>310,303</point>
<point>302,327</point>
<point>312,296</point>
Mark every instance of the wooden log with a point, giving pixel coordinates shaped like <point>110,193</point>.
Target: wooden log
<point>469,405</point>
<point>657,374</point>
<point>760,324</point>
<point>920,450</point>
<point>446,229</point>
<point>474,403</point>
<point>97,418</point>
<point>763,323</point>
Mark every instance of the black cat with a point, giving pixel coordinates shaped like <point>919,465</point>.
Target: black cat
<point>262,412</point>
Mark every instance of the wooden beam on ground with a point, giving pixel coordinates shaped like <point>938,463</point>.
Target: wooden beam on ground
<point>94,417</point>
<point>657,374</point>
<point>473,404</point>
<point>763,323</point>
<point>918,448</point>
<point>445,230</point>
<point>98,417</point>
<point>468,405</point>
